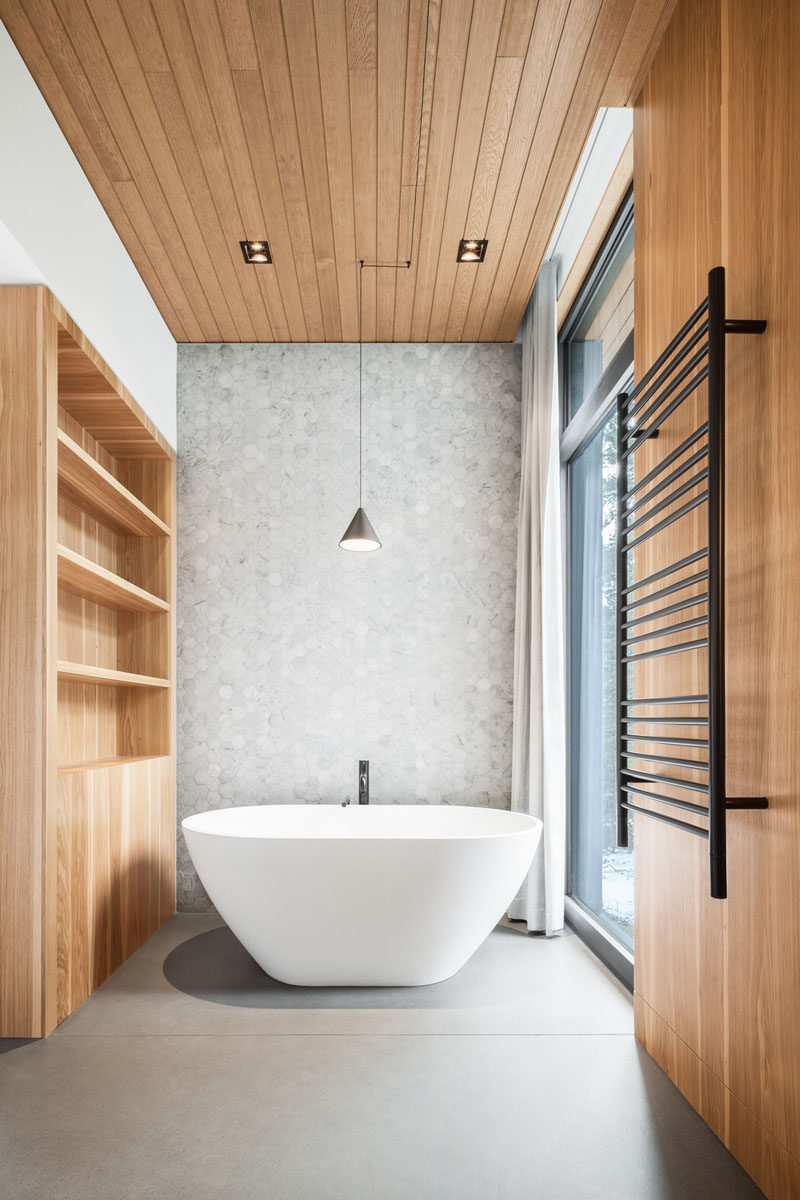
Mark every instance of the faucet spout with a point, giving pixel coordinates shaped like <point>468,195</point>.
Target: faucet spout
<point>363,781</point>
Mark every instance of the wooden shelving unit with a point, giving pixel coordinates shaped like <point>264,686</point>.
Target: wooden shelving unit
<point>87,625</point>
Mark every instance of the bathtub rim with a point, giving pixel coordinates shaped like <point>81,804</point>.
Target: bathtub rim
<point>530,824</point>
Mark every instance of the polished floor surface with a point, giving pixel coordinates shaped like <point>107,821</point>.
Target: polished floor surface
<point>190,1075</point>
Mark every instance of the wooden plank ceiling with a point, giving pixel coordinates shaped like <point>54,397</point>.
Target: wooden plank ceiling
<point>203,122</point>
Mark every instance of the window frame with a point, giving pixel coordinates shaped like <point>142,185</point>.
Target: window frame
<point>576,432</point>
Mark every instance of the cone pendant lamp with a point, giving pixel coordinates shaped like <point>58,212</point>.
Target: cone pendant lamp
<point>359,534</point>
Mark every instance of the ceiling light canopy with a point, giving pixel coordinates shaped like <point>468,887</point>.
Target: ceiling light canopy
<point>472,250</point>
<point>257,251</point>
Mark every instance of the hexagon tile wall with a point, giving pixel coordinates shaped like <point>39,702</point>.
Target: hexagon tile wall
<point>295,658</point>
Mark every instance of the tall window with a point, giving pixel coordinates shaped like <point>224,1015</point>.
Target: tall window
<point>596,364</point>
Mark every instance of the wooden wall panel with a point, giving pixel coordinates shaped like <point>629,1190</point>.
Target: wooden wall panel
<point>114,882</point>
<point>717,172</point>
<point>27,697</point>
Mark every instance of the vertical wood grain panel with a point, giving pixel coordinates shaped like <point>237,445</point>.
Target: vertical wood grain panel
<point>24,678</point>
<point>716,177</point>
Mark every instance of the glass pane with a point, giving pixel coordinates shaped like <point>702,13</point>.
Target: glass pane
<point>601,875</point>
<point>603,327</point>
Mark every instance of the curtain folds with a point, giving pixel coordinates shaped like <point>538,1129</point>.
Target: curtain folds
<point>538,780</point>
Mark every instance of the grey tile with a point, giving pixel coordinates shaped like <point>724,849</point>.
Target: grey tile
<point>194,977</point>
<point>311,1118</point>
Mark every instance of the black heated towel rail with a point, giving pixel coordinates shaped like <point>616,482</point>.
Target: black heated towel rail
<point>684,600</point>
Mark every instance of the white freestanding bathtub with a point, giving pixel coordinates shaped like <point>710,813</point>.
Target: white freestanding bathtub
<point>368,895</point>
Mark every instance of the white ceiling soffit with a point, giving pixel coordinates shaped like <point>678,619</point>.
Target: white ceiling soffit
<point>15,265</point>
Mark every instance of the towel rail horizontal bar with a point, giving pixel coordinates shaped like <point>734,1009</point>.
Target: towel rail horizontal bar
<point>700,809</point>
<point>627,546</point>
<point>645,720</point>
<point>666,650</point>
<point>675,454</point>
<point>687,784</point>
<point>644,517</point>
<point>641,417</point>
<point>665,760</point>
<point>679,627</point>
<point>657,816</point>
<point>689,602</point>
<point>667,351</point>
<point>646,431</point>
<point>699,743</point>
<point>665,571</point>
<point>685,466</point>
<point>630,700</point>
<point>699,577</point>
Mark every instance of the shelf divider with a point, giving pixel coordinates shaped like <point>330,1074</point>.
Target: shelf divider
<point>84,481</point>
<point>82,577</point>
<point>106,676</point>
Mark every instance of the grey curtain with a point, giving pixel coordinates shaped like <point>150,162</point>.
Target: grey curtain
<point>538,781</point>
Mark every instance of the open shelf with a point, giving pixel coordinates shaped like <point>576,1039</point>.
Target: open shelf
<point>82,479</point>
<point>86,579</point>
<point>81,673</point>
<point>98,764</point>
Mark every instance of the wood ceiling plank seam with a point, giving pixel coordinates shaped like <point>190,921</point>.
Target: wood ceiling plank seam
<point>147,40</point>
<point>637,47</point>
<point>276,83</point>
<point>237,31</point>
<point>406,280</point>
<point>83,33</point>
<point>141,218</point>
<point>499,114</point>
<point>193,102</point>
<point>575,127</point>
<point>487,21</point>
<point>450,68</point>
<point>412,114</point>
<point>197,109</point>
<point>301,49</point>
<point>253,106</point>
<point>33,27</point>
<point>391,113</point>
<point>364,137</point>
<point>113,31</point>
<point>169,103</point>
<point>330,21</point>
<point>533,89</point>
<point>516,30</point>
<point>209,45</point>
<point>362,42</point>
<point>501,285</point>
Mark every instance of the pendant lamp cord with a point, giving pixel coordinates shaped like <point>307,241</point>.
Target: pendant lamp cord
<point>360,377</point>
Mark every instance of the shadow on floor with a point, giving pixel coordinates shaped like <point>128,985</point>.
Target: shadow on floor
<point>215,966</point>
<point>9,1044</point>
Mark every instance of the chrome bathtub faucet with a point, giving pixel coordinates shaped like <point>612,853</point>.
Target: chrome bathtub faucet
<point>363,783</point>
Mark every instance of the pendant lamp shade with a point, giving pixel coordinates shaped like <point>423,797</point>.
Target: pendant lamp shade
<point>359,534</point>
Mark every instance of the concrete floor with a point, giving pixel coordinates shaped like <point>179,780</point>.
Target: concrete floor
<point>190,1075</point>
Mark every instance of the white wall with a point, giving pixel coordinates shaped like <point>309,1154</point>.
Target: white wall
<point>54,230</point>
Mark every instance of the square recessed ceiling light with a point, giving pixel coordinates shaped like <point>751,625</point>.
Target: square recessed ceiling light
<point>256,252</point>
<point>472,250</point>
